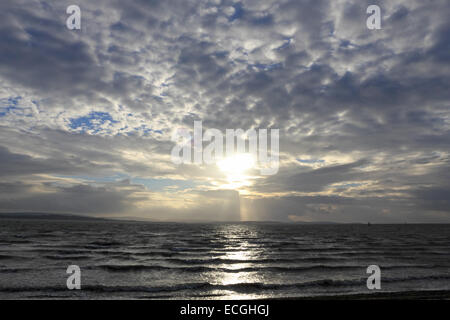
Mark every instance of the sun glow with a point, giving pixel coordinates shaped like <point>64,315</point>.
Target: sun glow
<point>235,168</point>
<point>236,164</point>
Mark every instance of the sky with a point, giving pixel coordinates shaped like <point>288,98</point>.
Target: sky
<point>87,116</point>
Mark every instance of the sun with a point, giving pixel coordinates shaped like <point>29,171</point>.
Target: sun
<point>236,164</point>
<point>235,167</point>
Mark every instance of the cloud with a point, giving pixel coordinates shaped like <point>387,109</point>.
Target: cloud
<point>80,107</point>
<point>313,180</point>
<point>82,199</point>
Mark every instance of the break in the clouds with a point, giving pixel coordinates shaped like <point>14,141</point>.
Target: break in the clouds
<point>86,116</point>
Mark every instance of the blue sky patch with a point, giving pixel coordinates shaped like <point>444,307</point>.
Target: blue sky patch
<point>310,161</point>
<point>238,12</point>
<point>93,121</point>
<point>8,105</point>
<point>267,67</point>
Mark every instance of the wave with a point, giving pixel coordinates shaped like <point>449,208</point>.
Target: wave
<point>253,261</point>
<point>11,257</point>
<point>127,268</point>
<point>295,269</point>
<point>236,287</point>
<point>102,244</point>
<point>59,251</point>
<point>66,257</point>
<point>16,270</point>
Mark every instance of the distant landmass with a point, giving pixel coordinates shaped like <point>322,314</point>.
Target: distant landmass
<point>66,216</point>
<point>317,222</point>
<point>44,216</point>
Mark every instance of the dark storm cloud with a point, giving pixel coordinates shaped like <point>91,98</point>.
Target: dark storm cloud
<point>434,198</point>
<point>64,153</point>
<point>16,187</point>
<point>313,180</point>
<point>79,198</point>
<point>15,164</point>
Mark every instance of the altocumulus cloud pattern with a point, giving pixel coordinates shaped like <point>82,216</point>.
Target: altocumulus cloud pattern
<point>86,115</point>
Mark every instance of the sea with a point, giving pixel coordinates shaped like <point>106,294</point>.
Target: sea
<point>147,260</point>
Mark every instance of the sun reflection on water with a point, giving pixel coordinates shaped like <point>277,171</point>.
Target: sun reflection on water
<point>244,253</point>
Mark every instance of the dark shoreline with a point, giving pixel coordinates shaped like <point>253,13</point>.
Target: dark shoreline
<point>398,295</point>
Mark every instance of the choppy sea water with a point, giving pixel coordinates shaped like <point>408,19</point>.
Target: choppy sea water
<point>217,261</point>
